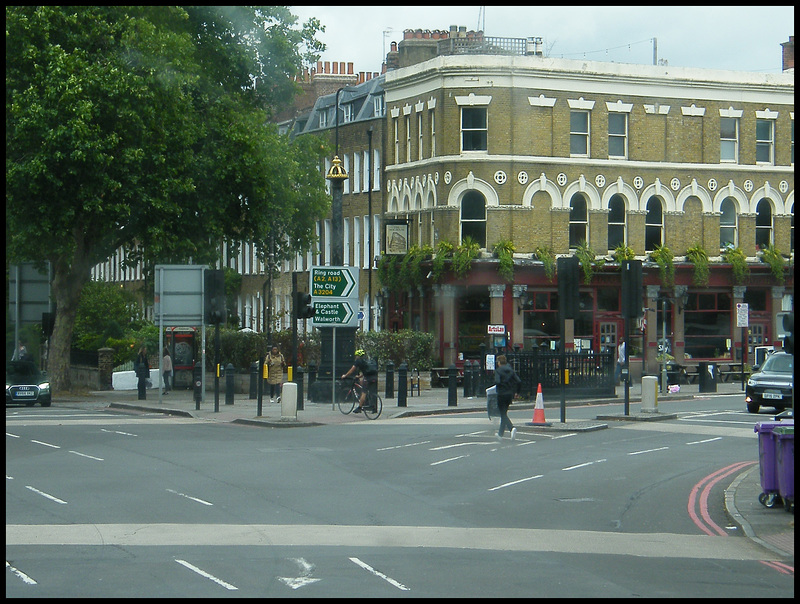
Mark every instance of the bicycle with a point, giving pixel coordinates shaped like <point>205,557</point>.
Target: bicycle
<point>348,401</point>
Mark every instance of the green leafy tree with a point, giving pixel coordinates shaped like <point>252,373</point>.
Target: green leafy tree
<point>105,312</point>
<point>145,129</point>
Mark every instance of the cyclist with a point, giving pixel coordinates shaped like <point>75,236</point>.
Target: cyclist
<point>369,377</point>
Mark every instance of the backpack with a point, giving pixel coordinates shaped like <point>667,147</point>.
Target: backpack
<point>371,367</point>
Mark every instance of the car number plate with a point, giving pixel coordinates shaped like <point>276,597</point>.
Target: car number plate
<point>24,393</point>
<point>773,395</point>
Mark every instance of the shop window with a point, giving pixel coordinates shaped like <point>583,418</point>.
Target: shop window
<point>653,224</point>
<point>756,299</point>
<point>763,224</point>
<point>473,316</point>
<point>473,217</point>
<point>578,220</point>
<point>728,224</point>
<point>616,221</point>
<point>707,325</point>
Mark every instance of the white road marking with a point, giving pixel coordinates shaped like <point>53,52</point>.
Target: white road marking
<point>436,463</point>
<point>12,435</point>
<point>117,432</point>
<point>190,497</point>
<point>707,440</point>
<point>38,442</point>
<point>203,573</point>
<point>456,445</point>
<point>305,577</point>
<point>424,442</point>
<point>89,456</point>
<point>583,465</point>
<point>648,451</point>
<point>43,494</point>
<point>25,578</point>
<point>378,573</point>
<point>508,484</point>
<point>647,545</point>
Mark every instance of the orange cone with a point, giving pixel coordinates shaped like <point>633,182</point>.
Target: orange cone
<point>538,409</point>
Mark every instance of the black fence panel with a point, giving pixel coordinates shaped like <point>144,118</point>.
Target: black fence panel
<point>590,373</point>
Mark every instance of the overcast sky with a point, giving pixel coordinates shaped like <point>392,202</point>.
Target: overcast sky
<point>745,38</point>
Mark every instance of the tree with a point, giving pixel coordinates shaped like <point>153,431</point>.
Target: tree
<point>145,129</point>
<point>105,311</point>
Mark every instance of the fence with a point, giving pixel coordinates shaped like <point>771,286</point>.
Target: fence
<point>590,373</point>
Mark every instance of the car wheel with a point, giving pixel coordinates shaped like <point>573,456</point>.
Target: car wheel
<point>752,407</point>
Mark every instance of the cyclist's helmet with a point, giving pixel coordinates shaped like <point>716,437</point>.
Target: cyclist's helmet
<point>360,352</point>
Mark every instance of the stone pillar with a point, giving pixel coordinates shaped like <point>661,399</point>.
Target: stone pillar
<point>518,317</point>
<point>650,351</point>
<point>679,333</point>
<point>105,363</point>
<point>448,314</point>
<point>737,345</point>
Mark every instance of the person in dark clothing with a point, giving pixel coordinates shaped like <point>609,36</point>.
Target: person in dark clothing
<point>369,380</point>
<point>507,382</point>
<point>142,366</point>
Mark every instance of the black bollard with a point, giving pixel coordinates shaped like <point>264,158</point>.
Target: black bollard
<point>260,382</point>
<point>389,380</point>
<point>452,385</point>
<point>467,378</point>
<point>402,385</point>
<point>312,374</point>
<point>299,379</point>
<point>229,385</point>
<point>197,381</point>
<point>253,380</point>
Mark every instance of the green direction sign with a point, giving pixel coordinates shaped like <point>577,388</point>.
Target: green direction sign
<point>334,314</point>
<point>332,282</point>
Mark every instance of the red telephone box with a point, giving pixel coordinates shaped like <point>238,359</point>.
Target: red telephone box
<point>182,343</point>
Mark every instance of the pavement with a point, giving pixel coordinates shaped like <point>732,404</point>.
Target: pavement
<point>772,528</point>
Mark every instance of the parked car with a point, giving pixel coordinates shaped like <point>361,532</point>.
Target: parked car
<point>771,384</point>
<point>25,384</point>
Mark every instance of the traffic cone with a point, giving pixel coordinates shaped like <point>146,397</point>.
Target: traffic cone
<point>538,409</point>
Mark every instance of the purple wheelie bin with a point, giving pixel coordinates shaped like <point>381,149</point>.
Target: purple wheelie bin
<point>784,442</point>
<point>768,463</point>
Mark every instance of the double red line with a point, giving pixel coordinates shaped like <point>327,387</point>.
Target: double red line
<point>704,521</point>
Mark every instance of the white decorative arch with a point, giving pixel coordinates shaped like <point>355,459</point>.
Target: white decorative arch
<point>393,205</point>
<point>542,184</point>
<point>405,197</point>
<point>694,190</point>
<point>789,203</point>
<point>471,183</point>
<point>429,197</point>
<point>582,186</point>
<point>735,193</point>
<point>418,194</point>
<point>620,187</point>
<point>659,190</point>
<point>771,193</point>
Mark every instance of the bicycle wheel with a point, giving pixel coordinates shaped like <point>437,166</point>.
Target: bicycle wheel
<point>347,401</point>
<point>374,411</point>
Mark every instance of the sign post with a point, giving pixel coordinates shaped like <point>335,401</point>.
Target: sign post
<point>334,294</point>
<point>743,321</point>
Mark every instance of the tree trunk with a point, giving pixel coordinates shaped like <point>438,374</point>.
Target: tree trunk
<point>68,282</point>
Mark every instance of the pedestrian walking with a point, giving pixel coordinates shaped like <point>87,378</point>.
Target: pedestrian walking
<point>275,365</point>
<point>166,368</point>
<point>142,368</point>
<point>508,383</point>
<point>21,353</point>
<point>620,360</point>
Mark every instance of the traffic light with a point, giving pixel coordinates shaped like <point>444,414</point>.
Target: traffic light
<point>567,270</point>
<point>303,306</point>
<point>214,309</point>
<point>631,288</point>
<point>788,327</point>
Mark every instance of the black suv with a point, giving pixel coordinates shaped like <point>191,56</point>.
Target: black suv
<point>26,385</point>
<point>771,384</point>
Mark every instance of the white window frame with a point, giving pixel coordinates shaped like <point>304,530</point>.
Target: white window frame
<point>357,240</point>
<point>365,259</point>
<point>346,166</point>
<point>408,138</point>
<point>323,118</point>
<point>433,132</point>
<point>356,172</point>
<point>770,142</point>
<point>379,106</point>
<point>347,113</point>
<point>578,106</point>
<point>419,135</point>
<point>346,240</point>
<point>365,171</point>
<point>735,115</point>
<point>376,170</point>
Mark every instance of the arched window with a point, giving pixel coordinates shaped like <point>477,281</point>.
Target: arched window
<point>653,224</point>
<point>473,217</point>
<point>578,220</point>
<point>763,224</point>
<point>728,231</point>
<point>616,221</point>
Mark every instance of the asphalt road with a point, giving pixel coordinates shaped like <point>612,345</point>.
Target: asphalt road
<point>102,503</point>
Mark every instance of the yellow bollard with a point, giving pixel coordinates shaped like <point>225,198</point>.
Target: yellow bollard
<point>289,373</point>
<point>566,376</point>
<point>265,371</point>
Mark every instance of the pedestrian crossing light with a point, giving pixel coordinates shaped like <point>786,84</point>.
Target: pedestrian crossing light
<point>303,306</point>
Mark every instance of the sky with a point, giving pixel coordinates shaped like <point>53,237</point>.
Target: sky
<point>741,38</point>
